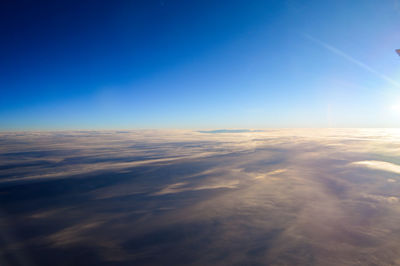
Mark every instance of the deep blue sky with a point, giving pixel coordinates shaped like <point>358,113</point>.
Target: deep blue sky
<point>199,64</point>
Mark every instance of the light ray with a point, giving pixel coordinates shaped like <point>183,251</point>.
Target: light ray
<point>352,60</point>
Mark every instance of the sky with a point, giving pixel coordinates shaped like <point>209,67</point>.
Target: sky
<point>199,64</point>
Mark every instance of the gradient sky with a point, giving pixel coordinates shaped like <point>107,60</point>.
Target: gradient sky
<point>199,64</point>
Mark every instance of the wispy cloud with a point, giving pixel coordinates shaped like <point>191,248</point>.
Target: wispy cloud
<point>351,59</point>
<point>380,165</point>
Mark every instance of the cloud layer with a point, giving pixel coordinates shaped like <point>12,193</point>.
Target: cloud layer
<point>276,197</point>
